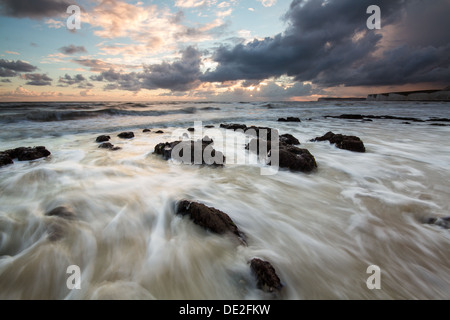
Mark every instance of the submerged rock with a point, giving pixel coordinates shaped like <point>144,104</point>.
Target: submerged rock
<point>210,219</point>
<point>56,232</point>
<point>126,135</point>
<point>295,159</point>
<point>102,139</point>
<point>28,154</point>
<point>146,130</point>
<point>61,212</point>
<point>159,132</point>
<point>363,117</point>
<point>289,119</point>
<point>234,126</point>
<point>165,149</point>
<point>209,126</point>
<point>266,276</point>
<point>350,143</point>
<point>5,159</point>
<point>200,152</point>
<point>441,222</point>
<point>191,129</point>
<point>108,146</point>
<point>439,125</point>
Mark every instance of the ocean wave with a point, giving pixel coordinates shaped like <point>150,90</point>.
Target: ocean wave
<point>47,115</point>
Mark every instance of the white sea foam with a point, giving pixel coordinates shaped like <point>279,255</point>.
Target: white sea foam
<point>320,230</point>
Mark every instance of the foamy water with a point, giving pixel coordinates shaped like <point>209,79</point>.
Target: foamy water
<point>321,231</point>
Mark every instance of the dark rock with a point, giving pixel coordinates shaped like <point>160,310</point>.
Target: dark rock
<point>196,152</point>
<point>101,139</point>
<point>351,117</point>
<point>206,140</point>
<point>165,149</point>
<point>441,222</point>
<point>289,119</point>
<point>295,159</point>
<point>259,144</point>
<point>261,132</point>
<point>210,218</point>
<point>439,124</point>
<point>106,145</point>
<point>406,122</point>
<point>159,132</point>
<point>350,143</point>
<point>5,159</point>
<point>62,212</point>
<point>126,135</point>
<point>266,276</point>
<point>209,127</point>
<point>439,120</point>
<point>327,137</point>
<point>28,154</point>
<point>362,117</point>
<point>289,139</point>
<point>146,130</point>
<point>234,126</point>
<point>191,129</point>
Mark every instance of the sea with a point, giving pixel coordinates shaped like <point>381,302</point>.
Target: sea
<point>324,232</point>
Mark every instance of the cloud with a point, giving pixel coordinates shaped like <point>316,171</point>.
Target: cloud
<point>35,9</point>
<point>191,3</point>
<point>9,68</point>
<point>78,79</point>
<point>12,52</point>
<point>71,49</point>
<point>37,79</point>
<point>96,65</point>
<point>268,3</point>
<point>181,75</point>
<point>21,93</point>
<point>327,42</point>
<point>54,24</point>
<point>150,28</point>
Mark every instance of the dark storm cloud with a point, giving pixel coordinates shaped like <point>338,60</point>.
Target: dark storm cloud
<point>319,45</point>
<point>35,9</point>
<point>37,79</point>
<point>78,79</point>
<point>4,73</point>
<point>180,75</point>
<point>96,65</point>
<point>16,66</point>
<point>72,49</point>
<point>10,68</point>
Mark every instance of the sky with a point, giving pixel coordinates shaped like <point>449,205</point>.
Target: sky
<point>220,50</point>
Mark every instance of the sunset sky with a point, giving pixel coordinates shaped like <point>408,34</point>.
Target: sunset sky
<point>231,50</point>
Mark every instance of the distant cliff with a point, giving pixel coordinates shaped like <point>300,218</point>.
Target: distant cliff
<point>341,99</point>
<point>424,95</point>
